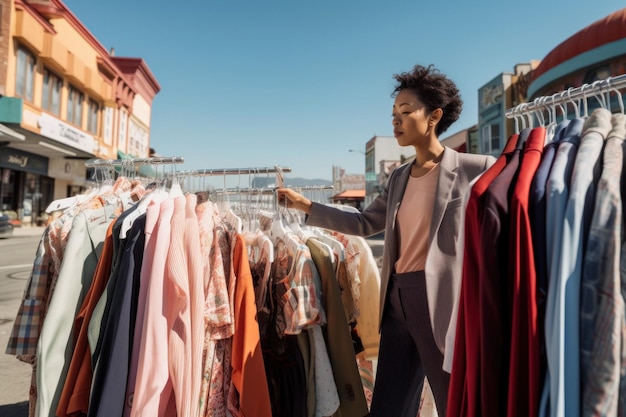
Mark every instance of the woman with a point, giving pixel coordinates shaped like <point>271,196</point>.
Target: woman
<point>420,211</point>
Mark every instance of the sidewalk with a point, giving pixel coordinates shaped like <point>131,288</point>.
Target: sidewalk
<point>28,231</point>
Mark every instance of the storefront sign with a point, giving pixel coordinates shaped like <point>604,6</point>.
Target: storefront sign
<point>490,95</point>
<point>73,170</point>
<point>66,134</point>
<point>23,161</point>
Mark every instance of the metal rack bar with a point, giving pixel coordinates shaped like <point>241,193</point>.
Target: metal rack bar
<point>567,96</point>
<point>268,191</point>
<point>135,161</point>
<point>234,171</point>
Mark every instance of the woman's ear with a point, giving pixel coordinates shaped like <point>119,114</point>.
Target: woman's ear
<point>435,116</point>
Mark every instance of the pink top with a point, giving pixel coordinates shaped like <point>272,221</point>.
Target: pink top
<point>153,388</point>
<point>177,312</point>
<point>152,217</point>
<point>414,218</point>
<point>195,268</point>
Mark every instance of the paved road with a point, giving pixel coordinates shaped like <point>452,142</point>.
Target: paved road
<point>16,260</point>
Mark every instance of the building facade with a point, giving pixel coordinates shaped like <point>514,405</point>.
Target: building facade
<point>594,53</point>
<point>494,99</point>
<point>64,98</point>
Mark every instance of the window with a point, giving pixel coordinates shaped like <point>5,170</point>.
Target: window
<point>75,106</point>
<point>121,142</point>
<point>491,138</point>
<point>51,99</point>
<point>108,125</point>
<point>25,74</point>
<point>495,138</point>
<point>92,116</point>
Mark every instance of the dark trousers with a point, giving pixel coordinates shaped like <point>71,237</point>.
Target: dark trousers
<point>408,352</point>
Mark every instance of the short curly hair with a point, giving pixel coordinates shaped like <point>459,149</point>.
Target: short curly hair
<point>435,90</point>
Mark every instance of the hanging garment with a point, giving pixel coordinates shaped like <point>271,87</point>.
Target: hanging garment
<point>464,394</point>
<point>338,340</point>
<point>80,259</point>
<point>601,301</point>
<point>562,320</point>
<point>153,389</point>
<point>248,369</point>
<point>557,190</point>
<point>524,359</point>
<point>537,197</point>
<point>108,390</point>
<point>494,291</point>
<point>77,385</point>
<point>150,247</point>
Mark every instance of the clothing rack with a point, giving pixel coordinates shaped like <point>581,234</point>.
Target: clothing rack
<point>571,95</point>
<point>224,172</point>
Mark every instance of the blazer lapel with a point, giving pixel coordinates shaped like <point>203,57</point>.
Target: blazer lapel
<point>396,199</point>
<point>447,177</point>
<point>394,205</point>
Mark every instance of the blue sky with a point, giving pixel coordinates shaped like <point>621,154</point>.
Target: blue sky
<point>295,83</point>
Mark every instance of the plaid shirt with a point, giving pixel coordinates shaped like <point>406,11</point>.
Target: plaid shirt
<point>29,319</point>
<point>40,287</point>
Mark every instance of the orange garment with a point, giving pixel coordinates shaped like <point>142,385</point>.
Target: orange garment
<point>74,400</point>
<point>248,369</point>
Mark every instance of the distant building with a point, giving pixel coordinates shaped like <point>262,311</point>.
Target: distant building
<point>343,181</point>
<point>64,98</point>
<point>461,140</point>
<point>381,154</point>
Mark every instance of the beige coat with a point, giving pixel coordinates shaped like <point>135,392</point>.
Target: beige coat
<point>444,258</point>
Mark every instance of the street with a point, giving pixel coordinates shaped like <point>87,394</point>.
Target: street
<point>16,260</point>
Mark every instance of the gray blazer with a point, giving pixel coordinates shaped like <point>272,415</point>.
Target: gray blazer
<point>444,258</point>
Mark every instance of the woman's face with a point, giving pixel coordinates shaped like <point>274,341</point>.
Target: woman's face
<point>410,119</point>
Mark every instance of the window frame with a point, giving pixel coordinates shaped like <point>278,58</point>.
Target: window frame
<point>26,63</point>
<point>47,94</point>
<point>488,138</point>
<point>92,116</point>
<point>75,99</point>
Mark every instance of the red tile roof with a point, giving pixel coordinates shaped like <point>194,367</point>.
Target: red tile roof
<point>359,193</point>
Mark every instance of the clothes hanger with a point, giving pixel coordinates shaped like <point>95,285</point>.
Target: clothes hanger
<point>596,88</point>
<point>618,94</point>
<point>515,120</point>
<point>573,103</point>
<point>279,231</point>
<point>585,104</point>
<point>562,107</point>
<point>522,115</point>
<point>529,116</point>
<point>226,209</point>
<point>156,195</point>
<point>551,128</point>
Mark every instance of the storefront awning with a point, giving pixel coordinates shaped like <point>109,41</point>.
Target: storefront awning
<point>25,140</point>
<point>6,131</point>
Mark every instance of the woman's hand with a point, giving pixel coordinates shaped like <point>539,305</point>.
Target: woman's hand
<point>291,199</point>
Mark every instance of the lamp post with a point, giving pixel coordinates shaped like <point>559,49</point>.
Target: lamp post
<point>356,150</point>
